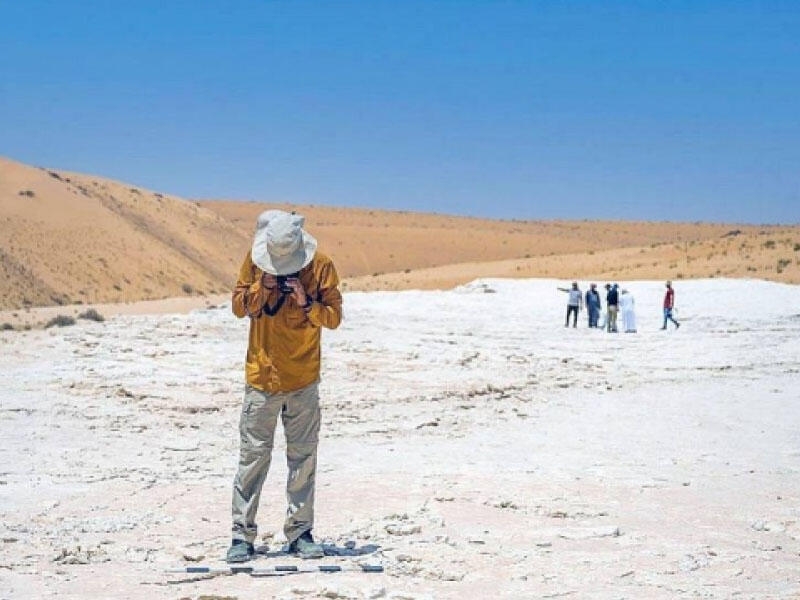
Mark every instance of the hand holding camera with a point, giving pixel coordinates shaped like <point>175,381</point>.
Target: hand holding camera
<point>287,285</point>
<point>295,289</point>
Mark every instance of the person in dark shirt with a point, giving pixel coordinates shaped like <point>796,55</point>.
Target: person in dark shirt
<point>612,303</point>
<point>669,305</point>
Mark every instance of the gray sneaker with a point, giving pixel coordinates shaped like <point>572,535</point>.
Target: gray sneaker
<point>306,547</point>
<point>240,551</point>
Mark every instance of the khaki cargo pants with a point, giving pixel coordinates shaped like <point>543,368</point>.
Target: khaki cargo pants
<point>611,320</point>
<point>299,411</point>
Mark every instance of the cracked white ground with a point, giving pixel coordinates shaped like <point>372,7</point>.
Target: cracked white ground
<point>471,444</point>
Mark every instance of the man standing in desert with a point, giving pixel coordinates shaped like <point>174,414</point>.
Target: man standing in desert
<point>289,291</point>
<point>627,306</point>
<point>574,303</point>
<point>669,305</point>
<point>593,305</point>
<point>612,306</point>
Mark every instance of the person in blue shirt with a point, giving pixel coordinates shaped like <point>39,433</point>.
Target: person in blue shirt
<point>593,305</point>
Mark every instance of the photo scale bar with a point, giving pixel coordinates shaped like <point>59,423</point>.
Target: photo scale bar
<point>277,569</point>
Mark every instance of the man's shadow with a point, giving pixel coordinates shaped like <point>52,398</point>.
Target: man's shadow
<point>349,549</point>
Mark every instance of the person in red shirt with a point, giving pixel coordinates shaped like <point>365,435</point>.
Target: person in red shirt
<point>669,304</point>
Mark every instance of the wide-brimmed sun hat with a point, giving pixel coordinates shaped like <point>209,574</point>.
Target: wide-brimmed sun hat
<point>281,246</point>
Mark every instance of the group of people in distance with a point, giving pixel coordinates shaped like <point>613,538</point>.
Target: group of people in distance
<point>617,302</point>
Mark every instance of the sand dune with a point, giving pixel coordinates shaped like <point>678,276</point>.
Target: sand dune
<point>67,238</point>
<point>373,243</point>
<point>771,254</point>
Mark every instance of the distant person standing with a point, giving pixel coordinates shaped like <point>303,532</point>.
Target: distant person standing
<point>669,306</point>
<point>612,304</point>
<point>593,305</point>
<point>627,308</point>
<point>574,303</point>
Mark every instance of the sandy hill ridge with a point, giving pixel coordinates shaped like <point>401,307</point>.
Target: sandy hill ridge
<point>72,238</point>
<point>68,238</point>
<point>772,254</point>
<point>390,250</point>
<point>366,242</point>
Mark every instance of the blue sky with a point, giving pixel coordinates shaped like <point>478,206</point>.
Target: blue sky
<point>534,110</point>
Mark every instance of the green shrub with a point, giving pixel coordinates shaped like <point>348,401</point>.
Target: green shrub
<point>60,321</point>
<point>92,315</point>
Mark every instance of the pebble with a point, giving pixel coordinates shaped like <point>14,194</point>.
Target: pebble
<point>585,534</point>
<point>338,592</point>
<point>767,526</point>
<point>409,596</point>
<point>192,557</point>
<point>692,563</point>
<point>405,558</point>
<point>402,528</point>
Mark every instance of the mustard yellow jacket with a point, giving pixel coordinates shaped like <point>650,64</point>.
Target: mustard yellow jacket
<point>283,351</point>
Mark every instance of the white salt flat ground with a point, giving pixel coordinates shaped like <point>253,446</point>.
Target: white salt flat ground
<point>480,445</point>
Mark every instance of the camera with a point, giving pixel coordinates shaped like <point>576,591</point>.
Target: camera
<point>283,283</point>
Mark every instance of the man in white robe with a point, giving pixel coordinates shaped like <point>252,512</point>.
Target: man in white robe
<point>627,306</point>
